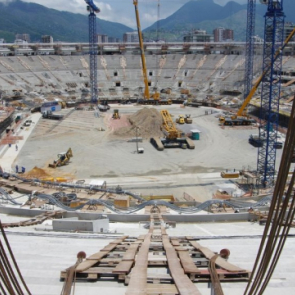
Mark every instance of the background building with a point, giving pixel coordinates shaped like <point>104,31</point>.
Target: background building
<point>102,38</point>
<point>223,35</point>
<point>114,40</point>
<point>24,37</point>
<point>198,36</point>
<point>47,39</point>
<point>131,37</point>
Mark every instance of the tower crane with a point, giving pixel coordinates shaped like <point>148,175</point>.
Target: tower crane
<point>270,91</point>
<point>93,9</point>
<point>147,98</point>
<point>249,52</point>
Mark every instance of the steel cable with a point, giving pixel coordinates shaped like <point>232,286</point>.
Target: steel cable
<point>267,260</point>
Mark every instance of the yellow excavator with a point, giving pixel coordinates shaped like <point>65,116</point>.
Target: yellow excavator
<point>241,117</point>
<point>116,114</point>
<point>153,99</point>
<point>62,159</point>
<point>173,137</point>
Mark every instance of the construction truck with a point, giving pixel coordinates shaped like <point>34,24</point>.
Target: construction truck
<point>241,117</point>
<point>148,99</point>
<point>62,159</point>
<point>173,137</point>
<point>51,115</point>
<point>116,114</point>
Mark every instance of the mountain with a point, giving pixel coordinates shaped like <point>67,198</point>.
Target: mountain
<point>37,20</point>
<point>207,15</point>
<point>34,19</point>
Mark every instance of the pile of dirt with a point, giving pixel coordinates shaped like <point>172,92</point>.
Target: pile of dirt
<point>37,173</point>
<point>149,121</point>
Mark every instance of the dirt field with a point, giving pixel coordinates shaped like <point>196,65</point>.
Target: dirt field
<point>108,155</point>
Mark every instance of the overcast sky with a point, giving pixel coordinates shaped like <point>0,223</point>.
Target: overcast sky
<point>122,11</point>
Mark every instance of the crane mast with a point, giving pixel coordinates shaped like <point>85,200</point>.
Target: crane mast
<point>93,9</point>
<point>270,92</point>
<point>249,46</point>
<point>144,71</point>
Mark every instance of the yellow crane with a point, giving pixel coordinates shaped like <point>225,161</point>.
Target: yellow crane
<point>241,117</point>
<point>147,98</point>
<point>173,137</point>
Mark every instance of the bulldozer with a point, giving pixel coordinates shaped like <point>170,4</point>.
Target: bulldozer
<point>62,159</point>
<point>116,114</point>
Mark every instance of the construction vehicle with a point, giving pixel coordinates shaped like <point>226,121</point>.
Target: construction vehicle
<point>51,115</point>
<point>256,141</point>
<point>173,137</point>
<point>188,119</point>
<point>184,119</point>
<point>62,104</point>
<point>241,117</point>
<point>62,159</point>
<point>116,114</point>
<point>155,98</point>
<point>180,119</point>
<point>103,106</point>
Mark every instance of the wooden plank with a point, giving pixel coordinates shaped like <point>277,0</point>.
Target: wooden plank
<point>187,263</point>
<point>181,280</point>
<point>219,261</point>
<point>131,252</point>
<point>123,267</point>
<point>161,289</point>
<point>137,283</point>
<point>95,258</point>
<point>175,242</point>
<point>100,270</point>
<point>109,247</point>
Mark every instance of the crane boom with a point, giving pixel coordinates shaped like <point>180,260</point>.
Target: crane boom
<point>144,71</point>
<point>92,6</point>
<point>257,83</point>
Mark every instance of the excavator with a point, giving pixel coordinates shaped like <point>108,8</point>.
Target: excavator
<point>173,137</point>
<point>241,117</point>
<point>147,99</point>
<point>62,159</point>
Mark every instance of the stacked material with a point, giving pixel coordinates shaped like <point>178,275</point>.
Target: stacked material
<point>36,173</point>
<point>149,122</point>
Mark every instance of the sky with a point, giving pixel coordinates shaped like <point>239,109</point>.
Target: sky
<point>122,11</point>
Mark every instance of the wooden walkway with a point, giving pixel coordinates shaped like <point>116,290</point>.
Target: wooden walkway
<point>156,263</point>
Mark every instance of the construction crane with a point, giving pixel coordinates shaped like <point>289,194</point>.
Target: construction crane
<point>147,98</point>
<point>93,9</point>
<point>270,92</point>
<point>241,117</point>
<point>173,137</point>
<point>249,52</point>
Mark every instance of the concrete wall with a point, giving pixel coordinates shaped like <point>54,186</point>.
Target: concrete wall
<point>226,217</point>
<point>74,224</point>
